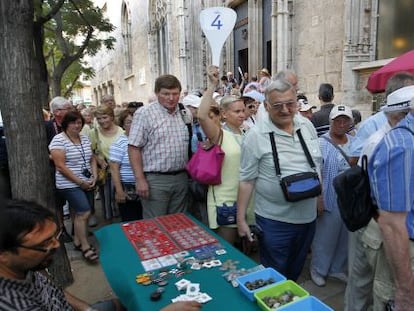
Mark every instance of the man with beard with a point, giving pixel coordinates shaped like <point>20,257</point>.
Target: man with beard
<point>29,236</point>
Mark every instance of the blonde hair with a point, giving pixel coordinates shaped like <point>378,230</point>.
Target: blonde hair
<point>227,100</point>
<point>104,109</point>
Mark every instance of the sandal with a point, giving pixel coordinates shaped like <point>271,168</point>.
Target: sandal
<point>78,247</point>
<point>90,255</point>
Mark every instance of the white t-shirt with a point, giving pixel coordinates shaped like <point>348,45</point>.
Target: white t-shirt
<point>77,158</point>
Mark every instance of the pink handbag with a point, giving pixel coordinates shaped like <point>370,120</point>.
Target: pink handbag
<point>205,164</point>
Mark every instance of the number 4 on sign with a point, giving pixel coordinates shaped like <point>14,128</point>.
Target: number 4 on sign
<point>217,23</point>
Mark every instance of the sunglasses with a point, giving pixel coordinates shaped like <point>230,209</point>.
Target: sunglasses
<point>251,106</point>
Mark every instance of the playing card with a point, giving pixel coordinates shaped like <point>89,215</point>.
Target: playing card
<point>168,260</point>
<point>196,266</point>
<point>216,263</point>
<point>182,254</point>
<point>203,298</point>
<point>151,264</point>
<point>193,289</point>
<point>182,284</point>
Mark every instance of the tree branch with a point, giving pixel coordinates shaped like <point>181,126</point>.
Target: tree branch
<point>70,88</point>
<point>44,19</point>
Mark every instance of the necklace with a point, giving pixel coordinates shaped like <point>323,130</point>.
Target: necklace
<point>81,150</point>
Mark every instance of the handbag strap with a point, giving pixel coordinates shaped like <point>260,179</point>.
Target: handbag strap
<point>336,146</point>
<point>276,157</point>
<point>98,143</point>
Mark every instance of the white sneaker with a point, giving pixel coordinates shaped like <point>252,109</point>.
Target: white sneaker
<point>318,279</point>
<point>339,276</point>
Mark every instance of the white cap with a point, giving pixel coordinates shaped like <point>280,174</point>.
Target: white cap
<point>257,96</point>
<point>340,110</point>
<point>305,107</point>
<point>192,100</point>
<point>399,99</point>
<point>215,95</point>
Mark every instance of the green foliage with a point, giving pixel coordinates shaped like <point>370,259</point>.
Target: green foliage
<point>78,29</point>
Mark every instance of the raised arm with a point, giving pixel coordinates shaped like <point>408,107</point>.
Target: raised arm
<point>211,129</point>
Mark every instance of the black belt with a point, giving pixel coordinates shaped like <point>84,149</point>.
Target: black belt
<point>166,173</point>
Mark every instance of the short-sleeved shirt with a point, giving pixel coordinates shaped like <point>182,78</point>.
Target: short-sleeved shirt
<point>391,172</point>
<point>35,293</point>
<point>365,130</point>
<point>257,165</point>
<point>118,153</point>
<point>320,119</point>
<point>162,136</point>
<point>77,157</point>
<point>198,136</point>
<point>105,142</point>
<point>334,163</point>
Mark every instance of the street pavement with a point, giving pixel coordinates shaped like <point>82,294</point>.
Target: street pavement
<point>91,285</point>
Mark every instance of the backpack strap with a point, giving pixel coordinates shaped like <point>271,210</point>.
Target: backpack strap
<point>336,146</point>
<point>189,125</point>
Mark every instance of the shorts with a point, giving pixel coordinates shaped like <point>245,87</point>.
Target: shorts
<point>79,200</point>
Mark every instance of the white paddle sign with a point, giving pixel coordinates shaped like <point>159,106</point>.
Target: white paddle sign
<point>217,23</point>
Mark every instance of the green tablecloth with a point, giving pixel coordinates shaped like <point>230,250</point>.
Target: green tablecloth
<point>121,264</point>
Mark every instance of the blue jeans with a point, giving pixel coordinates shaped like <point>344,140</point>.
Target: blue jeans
<point>80,201</point>
<point>284,246</point>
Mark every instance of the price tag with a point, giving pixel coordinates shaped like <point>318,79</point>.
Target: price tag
<point>217,23</point>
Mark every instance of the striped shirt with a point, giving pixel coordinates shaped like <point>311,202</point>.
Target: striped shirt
<point>36,292</point>
<point>118,153</point>
<point>162,136</point>
<point>391,172</point>
<point>77,158</point>
<point>334,163</point>
<point>365,130</point>
<point>320,119</point>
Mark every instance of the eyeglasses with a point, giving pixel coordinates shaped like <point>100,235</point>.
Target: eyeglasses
<point>44,247</point>
<point>279,106</point>
<point>251,106</point>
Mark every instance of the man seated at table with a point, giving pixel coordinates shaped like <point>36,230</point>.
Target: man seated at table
<point>29,236</point>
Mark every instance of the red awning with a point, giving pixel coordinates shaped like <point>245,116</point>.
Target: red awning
<point>378,79</point>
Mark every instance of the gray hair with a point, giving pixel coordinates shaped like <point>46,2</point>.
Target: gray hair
<point>284,74</point>
<point>58,102</point>
<point>280,86</point>
<point>86,111</point>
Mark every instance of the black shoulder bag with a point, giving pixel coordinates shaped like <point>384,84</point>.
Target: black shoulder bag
<point>298,186</point>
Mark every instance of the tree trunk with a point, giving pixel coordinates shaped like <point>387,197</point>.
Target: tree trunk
<point>55,86</point>
<point>21,107</point>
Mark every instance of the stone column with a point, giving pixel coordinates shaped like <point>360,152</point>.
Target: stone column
<point>282,35</point>
<point>255,38</point>
<point>182,40</point>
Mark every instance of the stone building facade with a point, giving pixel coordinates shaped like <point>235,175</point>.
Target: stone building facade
<point>330,41</point>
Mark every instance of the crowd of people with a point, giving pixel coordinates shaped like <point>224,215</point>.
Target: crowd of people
<point>136,157</point>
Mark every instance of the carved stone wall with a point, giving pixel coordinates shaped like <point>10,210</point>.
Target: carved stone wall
<point>321,40</point>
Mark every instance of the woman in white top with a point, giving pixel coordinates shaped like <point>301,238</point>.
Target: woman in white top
<point>76,173</point>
